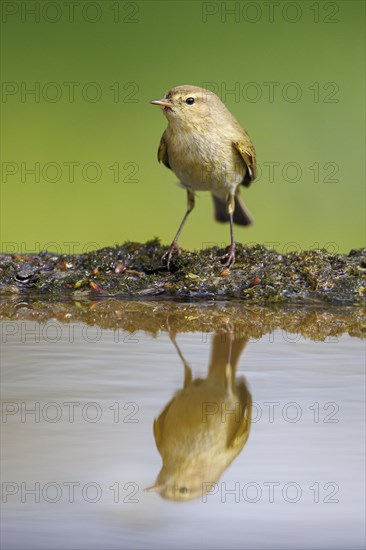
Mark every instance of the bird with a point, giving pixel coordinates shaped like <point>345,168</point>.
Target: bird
<point>204,427</point>
<point>208,150</point>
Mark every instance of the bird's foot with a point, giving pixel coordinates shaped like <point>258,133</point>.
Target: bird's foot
<point>228,259</point>
<point>173,249</point>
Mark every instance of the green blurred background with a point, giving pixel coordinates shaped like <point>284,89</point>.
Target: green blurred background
<point>133,52</point>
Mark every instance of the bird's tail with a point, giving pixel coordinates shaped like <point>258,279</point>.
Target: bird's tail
<point>241,214</point>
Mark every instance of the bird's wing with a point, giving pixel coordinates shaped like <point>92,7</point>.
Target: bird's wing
<point>163,152</point>
<point>239,428</point>
<point>247,153</point>
<point>159,426</point>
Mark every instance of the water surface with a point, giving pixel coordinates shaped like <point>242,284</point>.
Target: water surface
<point>289,475</point>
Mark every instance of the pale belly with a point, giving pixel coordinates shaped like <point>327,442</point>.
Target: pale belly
<point>200,167</point>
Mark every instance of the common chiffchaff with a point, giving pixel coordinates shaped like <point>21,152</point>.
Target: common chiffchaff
<point>208,150</point>
<point>206,424</point>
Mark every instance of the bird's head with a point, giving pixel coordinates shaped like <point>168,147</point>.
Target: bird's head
<point>178,488</point>
<point>190,105</point>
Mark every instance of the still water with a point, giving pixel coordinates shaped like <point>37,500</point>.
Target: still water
<point>247,433</point>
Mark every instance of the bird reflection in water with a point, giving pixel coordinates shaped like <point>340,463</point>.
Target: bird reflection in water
<point>206,424</point>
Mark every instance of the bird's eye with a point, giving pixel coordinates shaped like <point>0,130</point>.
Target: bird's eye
<point>190,100</point>
<point>183,490</point>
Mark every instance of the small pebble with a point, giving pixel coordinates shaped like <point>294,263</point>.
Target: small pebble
<point>95,287</point>
<point>64,265</point>
<point>120,268</point>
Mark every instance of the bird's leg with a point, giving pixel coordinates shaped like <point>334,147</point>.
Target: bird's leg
<point>228,259</point>
<point>187,368</point>
<point>174,248</point>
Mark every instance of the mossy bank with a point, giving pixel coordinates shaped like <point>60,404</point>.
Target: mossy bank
<point>135,270</point>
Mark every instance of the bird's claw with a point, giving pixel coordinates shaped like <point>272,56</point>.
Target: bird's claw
<point>228,259</point>
<point>173,249</point>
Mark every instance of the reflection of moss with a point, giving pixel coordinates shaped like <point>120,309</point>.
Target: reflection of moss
<point>135,270</point>
<point>254,321</point>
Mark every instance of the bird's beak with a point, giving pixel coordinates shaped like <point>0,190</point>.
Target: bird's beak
<point>153,489</point>
<point>162,102</point>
